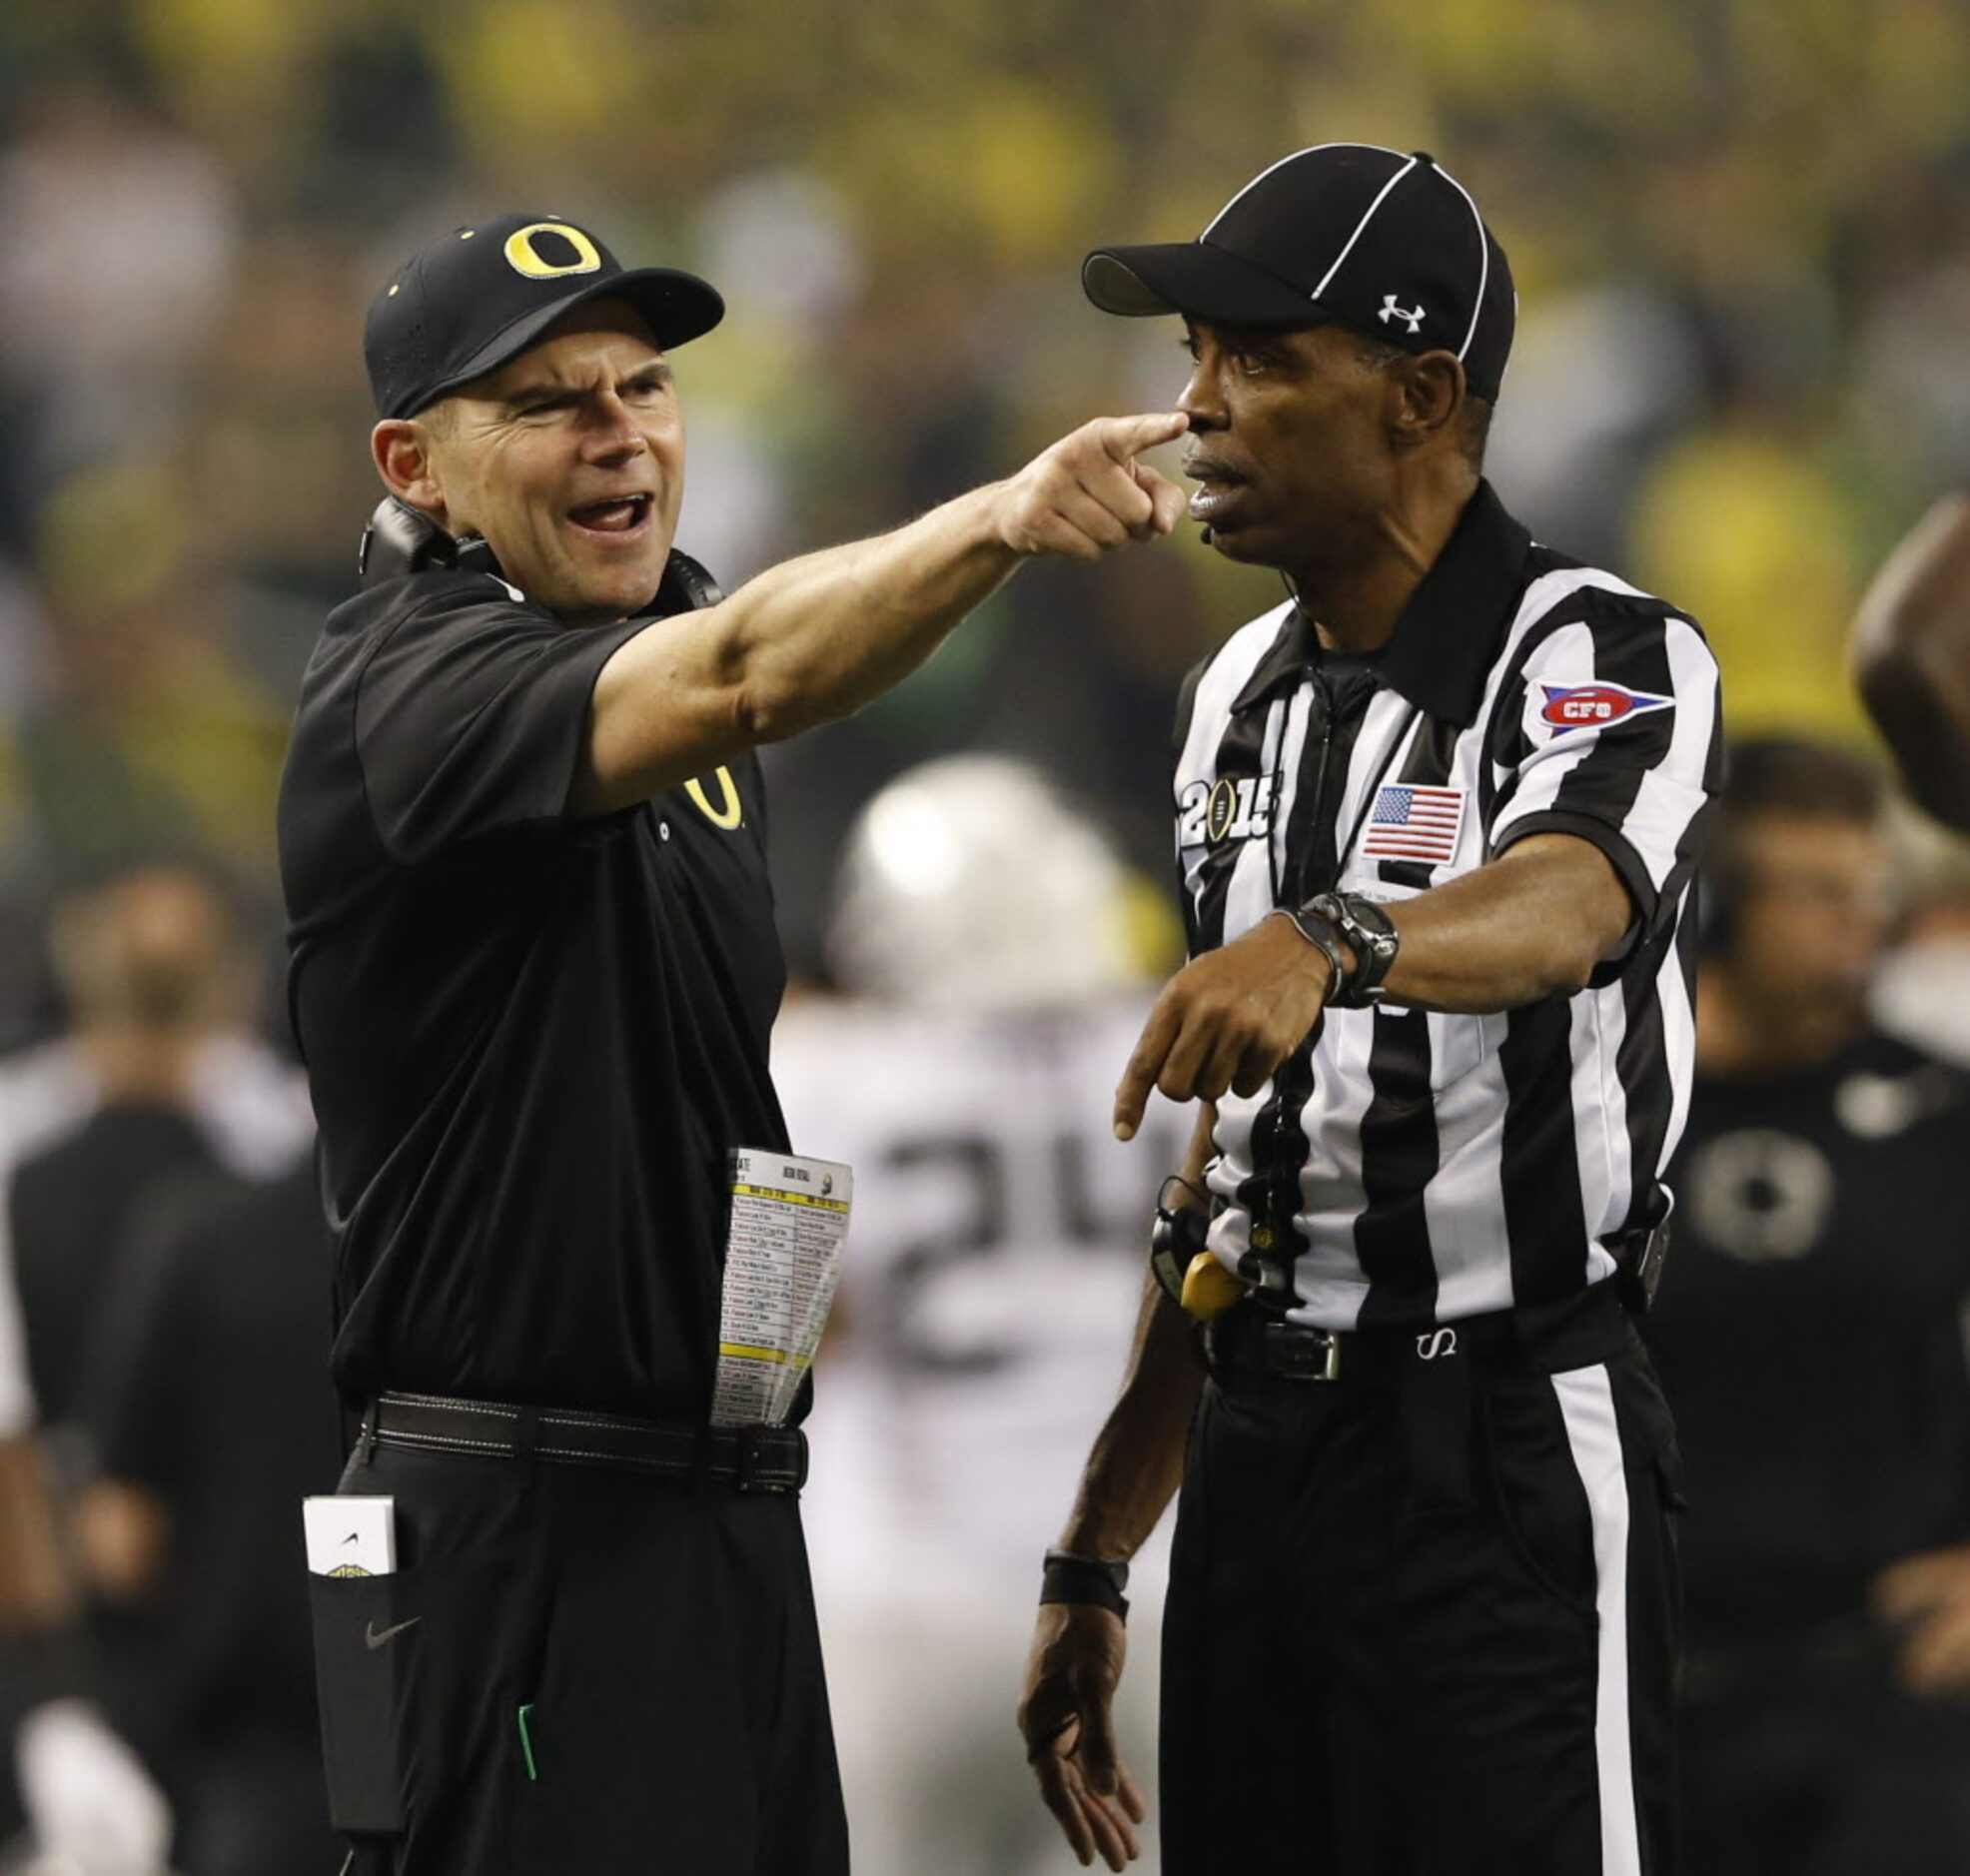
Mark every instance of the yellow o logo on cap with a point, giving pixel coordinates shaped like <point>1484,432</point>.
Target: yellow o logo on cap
<point>525,258</point>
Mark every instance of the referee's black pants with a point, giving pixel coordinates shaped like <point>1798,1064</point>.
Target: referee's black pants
<point>608,1672</point>
<point>1422,1620</point>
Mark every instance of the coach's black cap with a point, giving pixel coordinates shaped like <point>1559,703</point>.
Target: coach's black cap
<point>463,305</point>
<point>1389,242</point>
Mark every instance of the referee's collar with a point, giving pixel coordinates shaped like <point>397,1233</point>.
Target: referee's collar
<point>1447,634</point>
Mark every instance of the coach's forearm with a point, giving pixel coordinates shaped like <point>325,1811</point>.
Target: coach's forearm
<point>819,637</point>
<point>1531,924</point>
<point>816,638</point>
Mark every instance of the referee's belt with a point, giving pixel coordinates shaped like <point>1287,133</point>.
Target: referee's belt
<point>1249,1340</point>
<point>745,1458</point>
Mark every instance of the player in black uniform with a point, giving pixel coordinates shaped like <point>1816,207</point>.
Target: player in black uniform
<point>533,971</point>
<point>1809,1331</point>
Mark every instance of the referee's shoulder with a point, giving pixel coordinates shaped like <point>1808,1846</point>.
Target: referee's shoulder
<point>1572,616</point>
<point>1559,590</point>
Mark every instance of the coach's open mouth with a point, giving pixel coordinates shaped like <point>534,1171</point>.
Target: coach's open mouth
<point>624,514</point>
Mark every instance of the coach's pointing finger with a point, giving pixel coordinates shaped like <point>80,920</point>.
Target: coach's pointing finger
<point>1126,438</point>
<point>1045,507</point>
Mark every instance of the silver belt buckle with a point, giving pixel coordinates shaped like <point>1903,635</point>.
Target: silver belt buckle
<point>1303,1354</point>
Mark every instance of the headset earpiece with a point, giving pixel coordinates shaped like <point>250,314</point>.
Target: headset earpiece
<point>686,587</point>
<point>402,539</point>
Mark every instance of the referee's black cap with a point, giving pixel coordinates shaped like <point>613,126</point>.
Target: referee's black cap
<point>465,304</point>
<point>1389,243</point>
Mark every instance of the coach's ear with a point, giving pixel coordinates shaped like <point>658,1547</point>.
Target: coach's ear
<point>402,449</point>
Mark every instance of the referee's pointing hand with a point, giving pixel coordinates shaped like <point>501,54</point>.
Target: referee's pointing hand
<point>1227,1020</point>
<point>1089,494</point>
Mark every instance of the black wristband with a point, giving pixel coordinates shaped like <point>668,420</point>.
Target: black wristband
<point>1067,1577</point>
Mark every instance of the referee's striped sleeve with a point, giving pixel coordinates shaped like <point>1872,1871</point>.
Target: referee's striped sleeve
<point>1640,785</point>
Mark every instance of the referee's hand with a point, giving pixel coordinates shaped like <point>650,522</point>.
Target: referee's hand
<point>1066,1719</point>
<point>1227,1020</point>
<point>1089,494</point>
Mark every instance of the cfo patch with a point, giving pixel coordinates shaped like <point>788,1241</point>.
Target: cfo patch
<point>1594,706</point>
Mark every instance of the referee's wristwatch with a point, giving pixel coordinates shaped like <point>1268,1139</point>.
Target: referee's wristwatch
<point>1371,935</point>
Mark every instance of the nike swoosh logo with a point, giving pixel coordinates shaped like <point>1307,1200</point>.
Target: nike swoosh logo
<point>374,1637</point>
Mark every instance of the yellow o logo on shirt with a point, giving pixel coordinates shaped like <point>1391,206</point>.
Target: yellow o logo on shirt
<point>525,258</point>
<point>730,815</point>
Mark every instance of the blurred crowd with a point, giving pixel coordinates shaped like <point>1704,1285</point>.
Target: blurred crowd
<point>1741,232</point>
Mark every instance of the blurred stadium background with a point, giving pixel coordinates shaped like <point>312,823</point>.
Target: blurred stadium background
<point>1740,228</point>
<point>1741,232</point>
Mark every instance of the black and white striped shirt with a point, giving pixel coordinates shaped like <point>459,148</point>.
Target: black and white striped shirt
<point>1412,1167</point>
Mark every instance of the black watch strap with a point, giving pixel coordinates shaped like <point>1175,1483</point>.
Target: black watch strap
<point>1324,936</point>
<point>1068,1578</point>
<point>1370,936</point>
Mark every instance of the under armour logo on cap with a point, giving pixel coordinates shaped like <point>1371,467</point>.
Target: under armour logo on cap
<point>1325,233</point>
<point>1391,311</point>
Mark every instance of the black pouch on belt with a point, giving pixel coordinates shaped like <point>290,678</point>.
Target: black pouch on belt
<point>1434,1392</point>
<point>355,1688</point>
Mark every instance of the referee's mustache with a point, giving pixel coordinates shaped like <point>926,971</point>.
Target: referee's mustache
<point>1208,468</point>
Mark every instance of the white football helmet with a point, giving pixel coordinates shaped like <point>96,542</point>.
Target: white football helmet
<point>969,883</point>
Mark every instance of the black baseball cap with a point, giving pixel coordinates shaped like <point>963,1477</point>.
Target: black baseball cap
<point>465,304</point>
<point>1389,243</point>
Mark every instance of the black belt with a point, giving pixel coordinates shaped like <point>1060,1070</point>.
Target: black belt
<point>1249,1340</point>
<point>749,1459</point>
<point>1433,1368</point>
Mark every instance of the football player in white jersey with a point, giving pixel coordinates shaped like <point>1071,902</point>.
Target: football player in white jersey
<point>997,956</point>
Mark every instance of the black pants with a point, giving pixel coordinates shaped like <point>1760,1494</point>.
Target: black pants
<point>1421,1624</point>
<point>605,1672</point>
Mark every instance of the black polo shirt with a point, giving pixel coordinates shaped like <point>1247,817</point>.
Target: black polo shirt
<point>531,1038</point>
<point>1809,1334</point>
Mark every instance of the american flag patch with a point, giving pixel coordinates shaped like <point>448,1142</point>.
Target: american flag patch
<point>1411,823</point>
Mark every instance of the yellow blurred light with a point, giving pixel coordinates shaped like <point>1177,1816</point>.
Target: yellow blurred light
<point>137,506</point>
